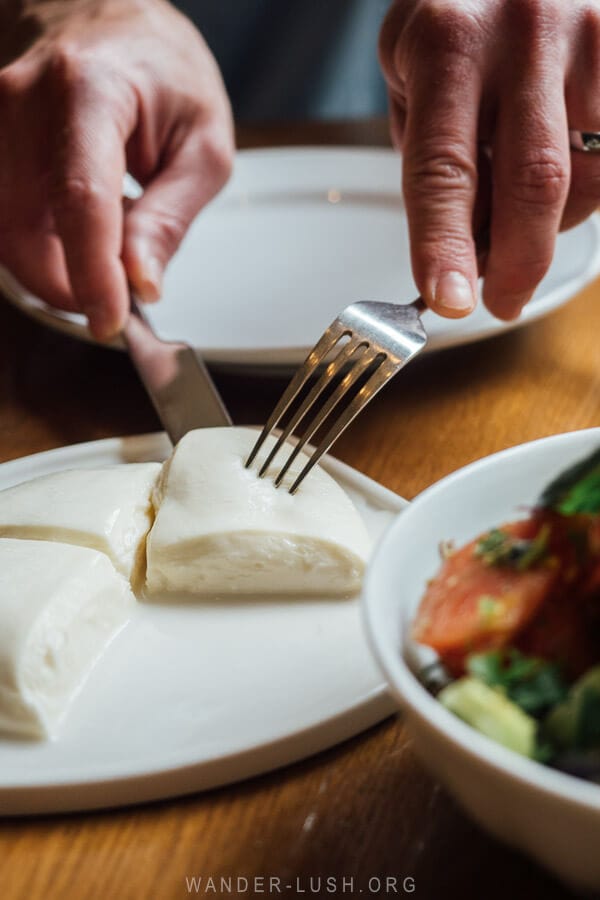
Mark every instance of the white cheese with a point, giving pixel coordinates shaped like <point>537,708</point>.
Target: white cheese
<point>107,509</point>
<point>60,605</point>
<point>219,529</point>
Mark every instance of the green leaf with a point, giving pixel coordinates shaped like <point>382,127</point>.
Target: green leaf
<point>576,490</point>
<point>533,684</point>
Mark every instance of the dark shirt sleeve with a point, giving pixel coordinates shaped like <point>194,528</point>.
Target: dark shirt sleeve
<point>296,59</point>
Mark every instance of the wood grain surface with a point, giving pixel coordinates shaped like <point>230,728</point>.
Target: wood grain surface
<point>365,810</point>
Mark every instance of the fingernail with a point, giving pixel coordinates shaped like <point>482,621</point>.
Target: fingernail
<point>102,324</point>
<point>149,284</point>
<point>514,305</point>
<point>453,293</point>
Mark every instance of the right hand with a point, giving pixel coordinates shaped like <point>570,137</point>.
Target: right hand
<point>104,87</point>
<point>483,93</point>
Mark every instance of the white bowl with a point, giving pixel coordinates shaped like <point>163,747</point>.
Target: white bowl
<point>551,816</point>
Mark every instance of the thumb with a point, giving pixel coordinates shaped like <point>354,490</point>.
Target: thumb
<point>157,222</point>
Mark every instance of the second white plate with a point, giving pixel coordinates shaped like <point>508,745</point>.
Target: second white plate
<point>297,235</point>
<point>190,697</point>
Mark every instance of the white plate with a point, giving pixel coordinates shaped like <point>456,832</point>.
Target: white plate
<point>297,235</point>
<point>550,815</point>
<point>191,697</point>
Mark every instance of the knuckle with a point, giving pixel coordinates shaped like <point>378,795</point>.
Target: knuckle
<point>68,69</point>
<point>10,89</point>
<point>70,192</point>
<point>438,172</point>
<point>218,152</point>
<point>65,64</point>
<point>540,182</point>
<point>167,230</point>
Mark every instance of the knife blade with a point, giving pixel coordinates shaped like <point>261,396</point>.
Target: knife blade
<point>175,377</point>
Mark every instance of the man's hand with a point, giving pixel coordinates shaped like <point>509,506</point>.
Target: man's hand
<point>88,90</point>
<point>483,93</point>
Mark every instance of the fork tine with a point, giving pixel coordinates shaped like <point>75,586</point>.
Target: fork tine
<point>324,346</point>
<point>362,364</point>
<point>365,394</point>
<point>334,367</point>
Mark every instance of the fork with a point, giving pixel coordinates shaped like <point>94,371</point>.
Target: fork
<point>381,338</point>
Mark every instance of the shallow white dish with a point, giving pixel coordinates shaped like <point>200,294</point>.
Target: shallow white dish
<point>552,816</point>
<point>297,235</point>
<point>193,696</point>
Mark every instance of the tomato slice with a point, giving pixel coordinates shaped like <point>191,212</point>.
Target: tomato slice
<point>472,606</point>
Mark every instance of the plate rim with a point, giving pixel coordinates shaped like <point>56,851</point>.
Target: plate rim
<point>283,359</point>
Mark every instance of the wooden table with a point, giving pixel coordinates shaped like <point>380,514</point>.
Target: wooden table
<point>365,809</point>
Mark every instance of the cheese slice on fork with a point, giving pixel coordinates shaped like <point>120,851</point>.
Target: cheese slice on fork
<point>220,529</point>
<point>107,509</point>
<point>60,606</point>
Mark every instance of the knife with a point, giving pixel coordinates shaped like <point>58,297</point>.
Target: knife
<point>175,377</point>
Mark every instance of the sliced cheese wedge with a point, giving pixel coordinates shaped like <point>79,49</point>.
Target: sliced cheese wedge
<point>60,605</point>
<point>107,509</point>
<point>219,529</point>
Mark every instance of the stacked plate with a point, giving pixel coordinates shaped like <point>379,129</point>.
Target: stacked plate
<point>296,236</point>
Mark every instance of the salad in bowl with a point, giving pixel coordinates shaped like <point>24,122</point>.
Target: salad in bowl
<point>493,650</point>
<point>514,617</point>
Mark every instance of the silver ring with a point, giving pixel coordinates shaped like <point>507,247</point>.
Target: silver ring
<point>586,141</point>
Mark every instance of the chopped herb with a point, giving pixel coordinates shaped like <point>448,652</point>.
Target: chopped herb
<point>497,548</point>
<point>536,551</point>
<point>492,545</point>
<point>576,490</point>
<point>488,608</point>
<point>533,684</point>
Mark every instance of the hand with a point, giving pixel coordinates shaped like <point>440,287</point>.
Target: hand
<point>93,88</point>
<point>483,93</point>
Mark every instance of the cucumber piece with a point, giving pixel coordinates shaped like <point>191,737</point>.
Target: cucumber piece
<point>491,713</point>
<point>575,723</point>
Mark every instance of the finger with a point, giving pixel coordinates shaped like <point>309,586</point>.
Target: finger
<point>583,113</point>
<point>531,170</point>
<point>397,122</point>
<point>87,178</point>
<point>37,261</point>
<point>195,168</point>
<point>390,47</point>
<point>28,246</point>
<point>584,193</point>
<point>440,173</point>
